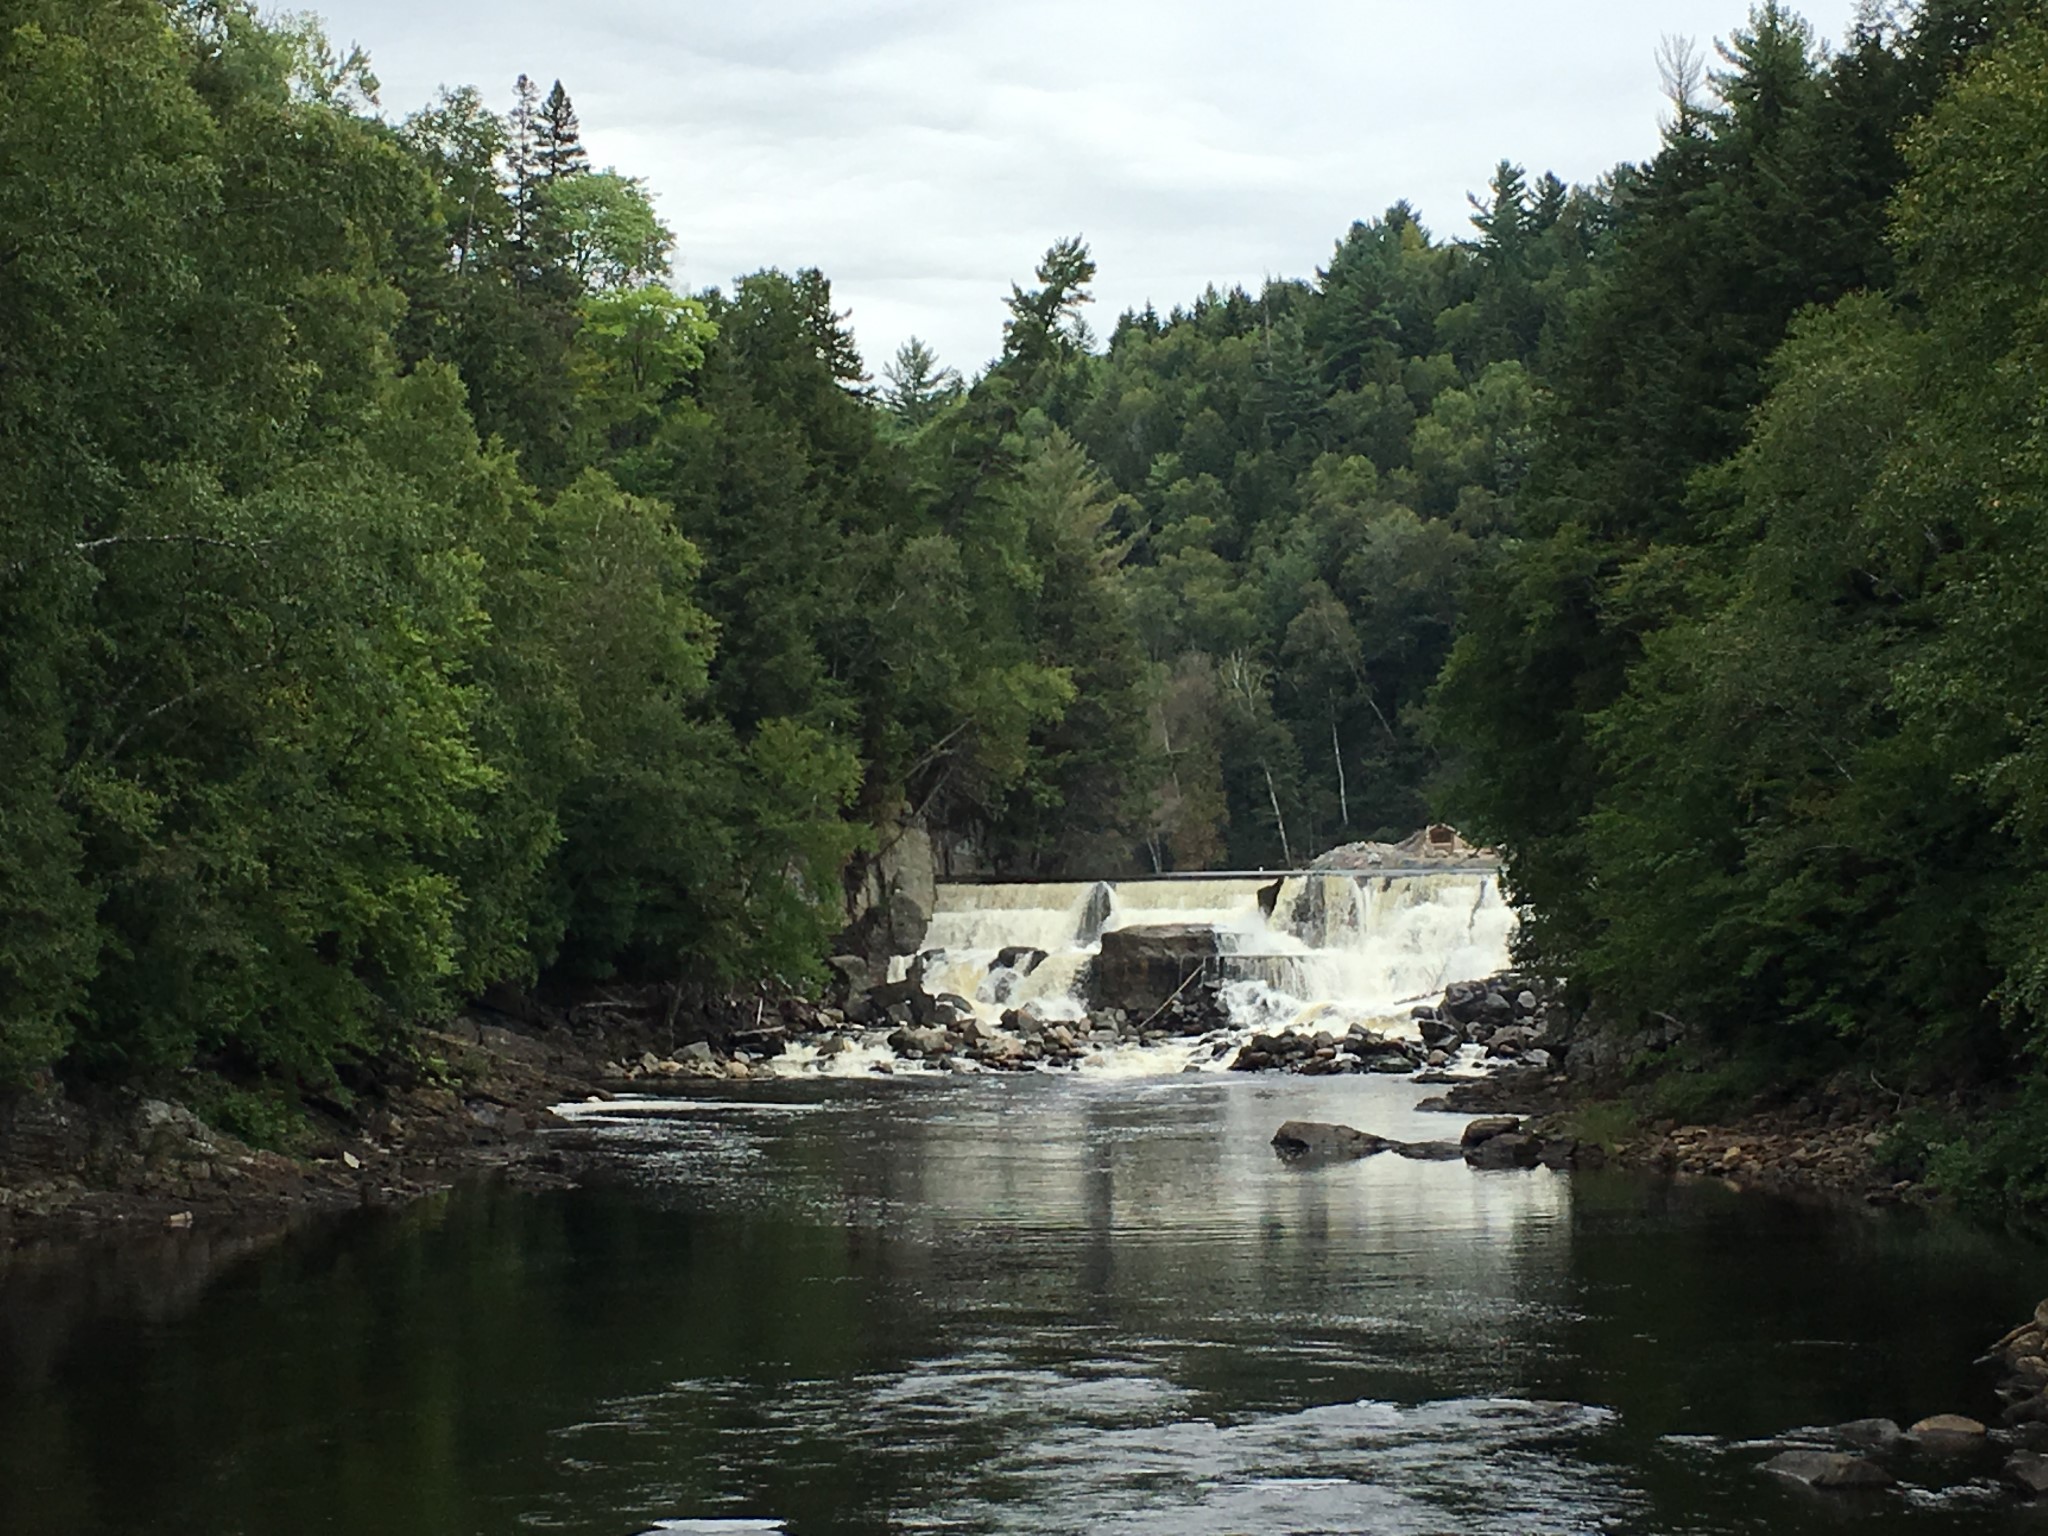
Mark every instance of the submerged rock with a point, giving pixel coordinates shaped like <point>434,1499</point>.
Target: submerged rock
<point>1828,1469</point>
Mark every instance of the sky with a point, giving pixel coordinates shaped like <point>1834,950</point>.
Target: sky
<point>924,153</point>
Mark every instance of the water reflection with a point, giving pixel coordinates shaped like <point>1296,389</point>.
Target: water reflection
<point>1002,1305</point>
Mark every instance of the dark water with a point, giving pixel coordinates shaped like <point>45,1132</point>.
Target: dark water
<point>1002,1305</point>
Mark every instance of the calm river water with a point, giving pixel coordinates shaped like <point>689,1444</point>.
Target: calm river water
<point>1027,1304</point>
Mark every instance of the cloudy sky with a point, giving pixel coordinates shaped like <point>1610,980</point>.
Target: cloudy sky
<point>924,153</point>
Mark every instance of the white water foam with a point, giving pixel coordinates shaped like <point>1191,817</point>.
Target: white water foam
<point>1300,952</point>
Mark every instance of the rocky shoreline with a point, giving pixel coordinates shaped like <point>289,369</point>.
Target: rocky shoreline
<point>1830,1146</point>
<point>472,1103</point>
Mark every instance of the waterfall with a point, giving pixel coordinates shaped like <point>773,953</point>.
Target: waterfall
<point>1291,949</point>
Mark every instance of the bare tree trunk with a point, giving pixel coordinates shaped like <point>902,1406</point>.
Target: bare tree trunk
<point>1286,853</point>
<point>1337,754</point>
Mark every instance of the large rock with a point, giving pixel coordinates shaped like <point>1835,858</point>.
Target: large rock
<point>1139,969</point>
<point>2029,1469</point>
<point>1314,1141</point>
<point>1949,1434</point>
<point>1871,1434</point>
<point>1828,1469</point>
<point>891,900</point>
<point>1510,1149</point>
<point>1487,1127</point>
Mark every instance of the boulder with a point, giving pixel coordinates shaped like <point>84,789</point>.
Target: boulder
<point>2029,1469</point>
<point>1021,958</point>
<point>1139,969</point>
<point>1439,1034</point>
<point>1948,1434</point>
<point>1462,1000</point>
<point>698,1052</point>
<point>1870,1434</point>
<point>1828,1469</point>
<point>1510,1149</point>
<point>910,1041</point>
<point>1314,1141</point>
<point>1488,1127</point>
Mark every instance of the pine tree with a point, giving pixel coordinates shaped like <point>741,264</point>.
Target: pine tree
<point>522,160</point>
<point>559,138</point>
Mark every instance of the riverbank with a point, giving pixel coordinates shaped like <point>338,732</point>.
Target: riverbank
<point>127,1160</point>
<point>466,1102</point>
<point>470,1102</point>
<point>1829,1143</point>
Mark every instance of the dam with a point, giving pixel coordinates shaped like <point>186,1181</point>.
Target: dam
<point>1279,950</point>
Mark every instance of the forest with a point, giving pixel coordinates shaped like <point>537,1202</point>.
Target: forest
<point>406,589</point>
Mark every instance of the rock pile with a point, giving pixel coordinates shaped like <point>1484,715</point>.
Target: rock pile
<point>2022,1361</point>
<point>1433,845</point>
<point>1943,1449</point>
<point>1504,1014</point>
<point>1357,1050</point>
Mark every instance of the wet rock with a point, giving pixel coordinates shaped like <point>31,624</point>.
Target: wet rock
<point>1870,1434</point>
<point>2029,1469</point>
<point>1439,1034</point>
<point>1021,958</point>
<point>1428,1151</point>
<point>761,1042</point>
<point>1462,1001</point>
<point>1828,1469</point>
<point>1141,969</point>
<point>1316,1141</point>
<point>913,1041</point>
<point>1487,1127</point>
<point>1510,1149</point>
<point>1948,1434</point>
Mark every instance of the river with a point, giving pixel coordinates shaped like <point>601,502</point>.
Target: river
<point>1037,1303</point>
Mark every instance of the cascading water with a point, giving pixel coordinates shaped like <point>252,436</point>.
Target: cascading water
<point>1302,951</point>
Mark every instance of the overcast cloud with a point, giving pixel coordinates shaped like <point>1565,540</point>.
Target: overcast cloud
<point>924,154</point>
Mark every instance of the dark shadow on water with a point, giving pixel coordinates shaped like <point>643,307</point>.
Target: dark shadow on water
<point>1001,1306</point>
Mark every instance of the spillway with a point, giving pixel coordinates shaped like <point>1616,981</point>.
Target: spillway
<point>1363,946</point>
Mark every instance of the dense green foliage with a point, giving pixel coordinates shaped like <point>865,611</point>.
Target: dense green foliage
<point>1756,703</point>
<point>404,589</point>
